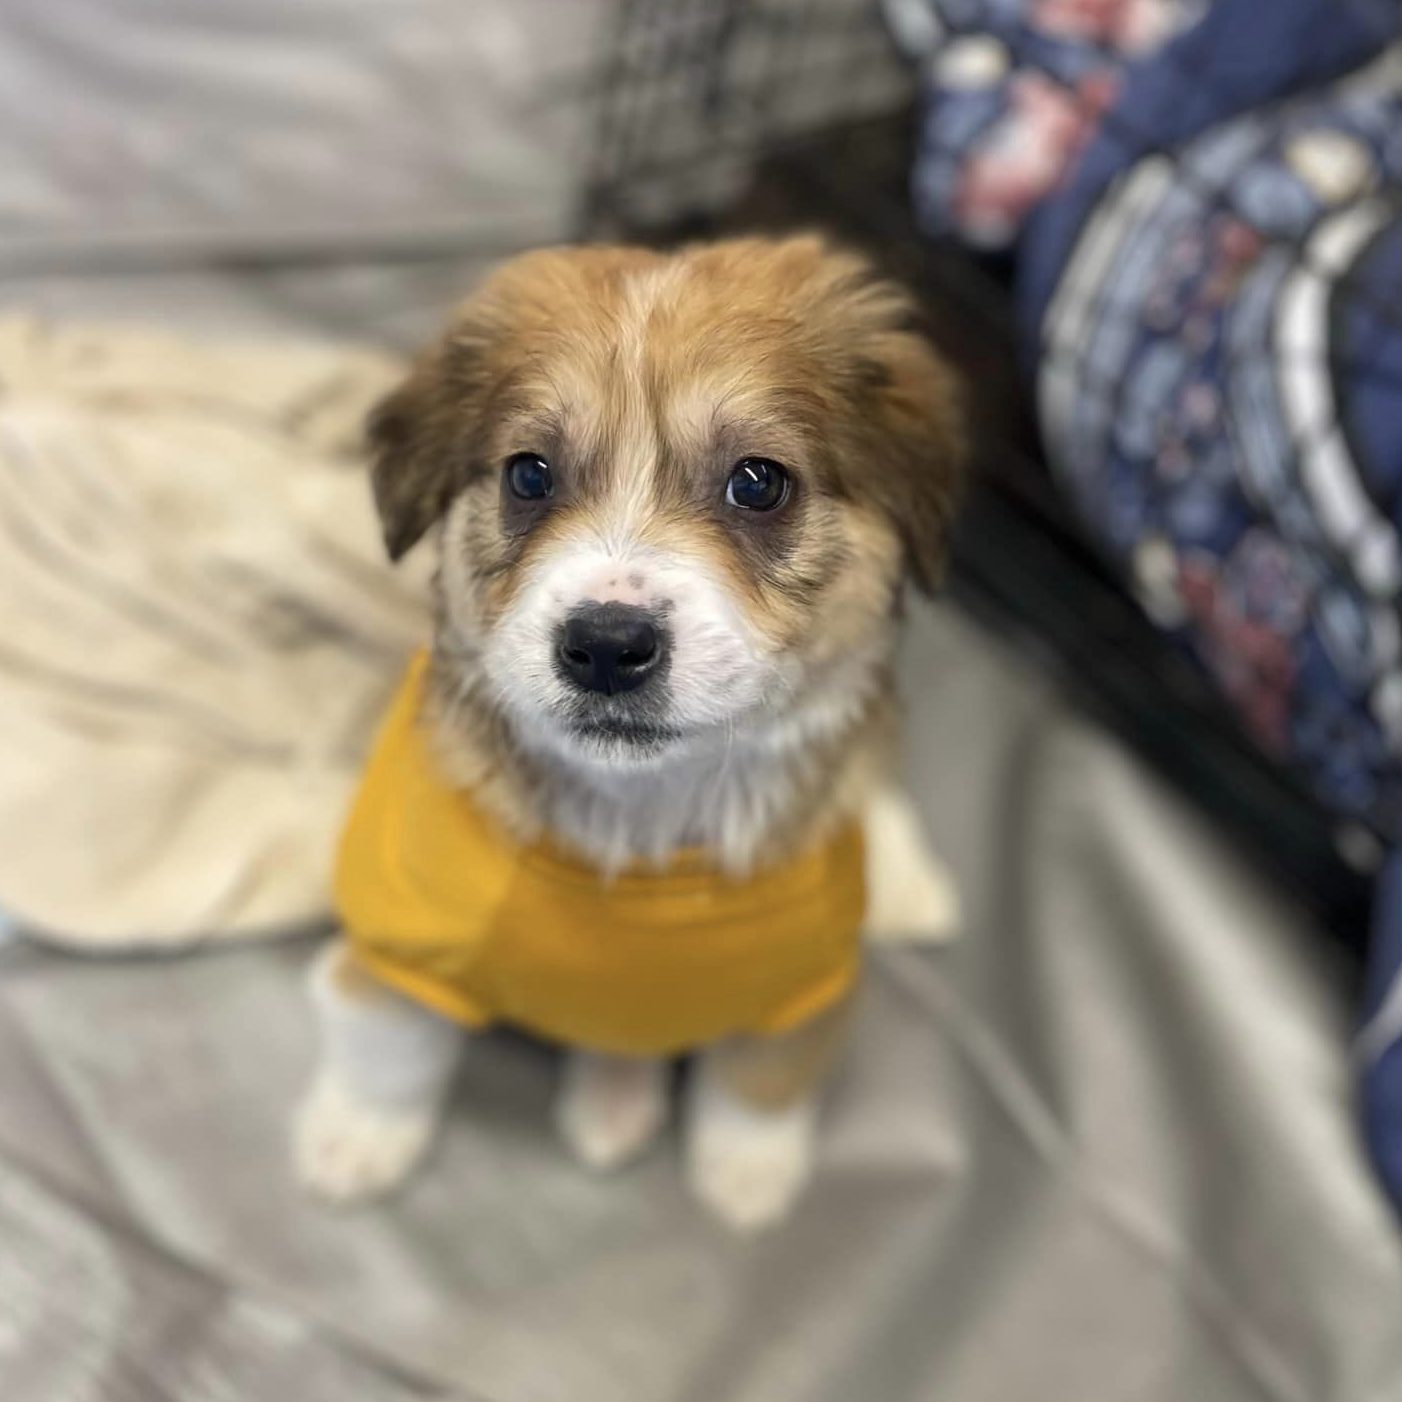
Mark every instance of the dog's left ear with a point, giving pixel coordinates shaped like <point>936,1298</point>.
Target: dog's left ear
<point>917,441</point>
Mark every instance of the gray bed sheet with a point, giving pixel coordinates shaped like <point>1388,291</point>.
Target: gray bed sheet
<point>1101,1149</point>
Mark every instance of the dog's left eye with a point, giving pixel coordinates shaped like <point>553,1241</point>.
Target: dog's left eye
<point>757,484</point>
<point>529,477</point>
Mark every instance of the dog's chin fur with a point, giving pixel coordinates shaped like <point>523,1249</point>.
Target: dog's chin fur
<point>642,379</point>
<point>748,791</point>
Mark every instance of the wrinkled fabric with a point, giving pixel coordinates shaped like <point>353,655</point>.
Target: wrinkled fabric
<point>200,629</point>
<point>93,1308</point>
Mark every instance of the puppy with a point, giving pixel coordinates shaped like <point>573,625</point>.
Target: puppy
<point>676,499</point>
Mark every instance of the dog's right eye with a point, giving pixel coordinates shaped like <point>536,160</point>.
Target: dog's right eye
<point>528,475</point>
<point>757,484</point>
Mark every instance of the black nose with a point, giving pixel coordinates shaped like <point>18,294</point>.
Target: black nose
<point>609,647</point>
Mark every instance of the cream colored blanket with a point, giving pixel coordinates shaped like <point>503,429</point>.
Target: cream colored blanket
<point>197,630</point>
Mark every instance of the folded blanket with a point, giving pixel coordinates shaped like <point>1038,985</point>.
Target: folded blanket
<point>199,630</point>
<point>1204,203</point>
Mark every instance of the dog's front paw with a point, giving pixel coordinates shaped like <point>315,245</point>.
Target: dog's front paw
<point>748,1165</point>
<point>349,1150</point>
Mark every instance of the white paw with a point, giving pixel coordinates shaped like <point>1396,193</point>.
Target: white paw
<point>610,1108</point>
<point>349,1150</point>
<point>748,1165</point>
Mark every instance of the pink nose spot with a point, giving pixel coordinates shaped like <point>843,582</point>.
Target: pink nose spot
<point>621,589</point>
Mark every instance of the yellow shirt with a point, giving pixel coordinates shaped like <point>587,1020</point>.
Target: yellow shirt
<point>442,904</point>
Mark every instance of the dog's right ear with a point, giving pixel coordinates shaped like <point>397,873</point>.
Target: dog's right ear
<point>416,438</point>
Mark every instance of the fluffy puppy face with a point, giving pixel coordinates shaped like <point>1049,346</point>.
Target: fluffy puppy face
<point>678,493</point>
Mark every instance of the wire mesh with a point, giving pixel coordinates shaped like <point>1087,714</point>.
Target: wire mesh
<point>695,93</point>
